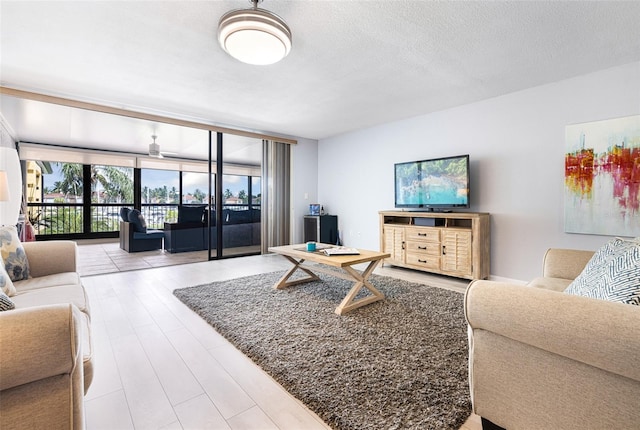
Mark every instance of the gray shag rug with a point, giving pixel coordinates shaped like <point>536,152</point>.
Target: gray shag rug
<point>400,363</point>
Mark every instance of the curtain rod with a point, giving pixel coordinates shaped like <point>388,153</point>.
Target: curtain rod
<point>138,115</point>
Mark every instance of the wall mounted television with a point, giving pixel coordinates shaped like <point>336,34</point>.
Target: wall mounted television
<point>436,184</point>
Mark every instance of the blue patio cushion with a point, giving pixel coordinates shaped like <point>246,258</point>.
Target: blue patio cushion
<point>150,234</point>
<point>190,213</point>
<point>239,217</point>
<point>205,218</point>
<point>124,214</point>
<point>137,220</point>
<point>255,215</point>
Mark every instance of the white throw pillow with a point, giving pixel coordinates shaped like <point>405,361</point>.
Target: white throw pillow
<point>613,273</point>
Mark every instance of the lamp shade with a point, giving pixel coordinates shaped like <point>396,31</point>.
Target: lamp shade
<point>11,178</point>
<point>254,36</point>
<point>4,187</point>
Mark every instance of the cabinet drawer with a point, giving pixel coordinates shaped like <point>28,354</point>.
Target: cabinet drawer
<point>419,234</point>
<point>424,247</point>
<point>424,261</point>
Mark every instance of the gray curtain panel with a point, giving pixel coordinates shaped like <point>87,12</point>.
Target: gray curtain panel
<point>276,188</point>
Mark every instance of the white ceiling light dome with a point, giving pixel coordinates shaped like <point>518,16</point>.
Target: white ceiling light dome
<point>254,36</point>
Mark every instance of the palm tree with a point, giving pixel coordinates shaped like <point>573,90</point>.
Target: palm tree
<point>163,194</point>
<point>199,195</point>
<point>146,197</point>
<point>71,184</point>
<point>118,184</point>
<point>110,177</point>
<point>227,194</point>
<point>97,179</point>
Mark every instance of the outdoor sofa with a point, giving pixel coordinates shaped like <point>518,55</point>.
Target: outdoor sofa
<point>239,228</point>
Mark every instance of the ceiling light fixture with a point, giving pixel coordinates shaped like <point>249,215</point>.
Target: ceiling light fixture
<point>254,36</point>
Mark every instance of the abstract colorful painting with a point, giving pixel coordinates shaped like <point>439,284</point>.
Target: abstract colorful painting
<point>602,177</point>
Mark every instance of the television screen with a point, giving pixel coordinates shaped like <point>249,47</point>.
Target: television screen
<point>432,184</point>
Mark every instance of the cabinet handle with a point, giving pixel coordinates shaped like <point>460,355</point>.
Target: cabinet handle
<point>422,234</point>
<point>403,247</point>
<point>423,248</point>
<point>421,261</point>
<point>444,250</point>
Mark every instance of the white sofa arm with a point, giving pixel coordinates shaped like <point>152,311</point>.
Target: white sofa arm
<point>50,257</point>
<point>596,332</point>
<point>39,342</point>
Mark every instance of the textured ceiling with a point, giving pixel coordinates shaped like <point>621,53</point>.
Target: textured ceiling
<point>353,64</point>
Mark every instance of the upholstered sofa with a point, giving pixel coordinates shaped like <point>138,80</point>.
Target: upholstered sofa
<point>45,343</point>
<point>540,358</point>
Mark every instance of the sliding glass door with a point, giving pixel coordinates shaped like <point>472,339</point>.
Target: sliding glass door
<point>240,193</point>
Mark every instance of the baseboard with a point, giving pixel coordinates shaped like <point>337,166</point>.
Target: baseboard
<point>508,280</point>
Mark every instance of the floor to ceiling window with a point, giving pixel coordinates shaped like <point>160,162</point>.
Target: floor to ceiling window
<point>75,199</point>
<point>159,196</point>
<point>111,189</point>
<point>62,206</point>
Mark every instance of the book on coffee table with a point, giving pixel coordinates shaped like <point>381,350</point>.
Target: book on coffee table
<point>341,250</point>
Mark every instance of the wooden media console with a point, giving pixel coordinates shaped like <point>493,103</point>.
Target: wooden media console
<point>453,244</point>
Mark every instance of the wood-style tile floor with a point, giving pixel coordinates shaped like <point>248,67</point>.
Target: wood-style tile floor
<point>98,257</point>
<point>160,366</point>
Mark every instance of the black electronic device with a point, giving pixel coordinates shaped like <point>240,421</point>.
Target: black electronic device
<point>321,228</point>
<point>434,184</point>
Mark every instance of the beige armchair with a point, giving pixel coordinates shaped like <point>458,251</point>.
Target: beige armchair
<point>543,359</point>
<point>42,381</point>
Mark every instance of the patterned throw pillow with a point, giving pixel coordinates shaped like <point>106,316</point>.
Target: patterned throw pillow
<point>6,285</point>
<point>6,304</point>
<point>13,255</point>
<point>613,273</point>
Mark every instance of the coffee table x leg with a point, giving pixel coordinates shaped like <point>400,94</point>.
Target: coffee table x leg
<point>360,280</point>
<point>297,264</point>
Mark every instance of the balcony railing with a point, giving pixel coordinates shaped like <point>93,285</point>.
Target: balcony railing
<point>68,218</point>
<point>51,218</point>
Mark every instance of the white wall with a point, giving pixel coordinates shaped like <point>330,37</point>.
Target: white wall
<point>516,146</point>
<point>304,183</point>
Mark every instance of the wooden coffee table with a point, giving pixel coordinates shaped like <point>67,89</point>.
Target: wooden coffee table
<point>298,255</point>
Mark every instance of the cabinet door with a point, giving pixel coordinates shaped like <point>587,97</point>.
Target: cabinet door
<point>456,251</point>
<point>394,243</point>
